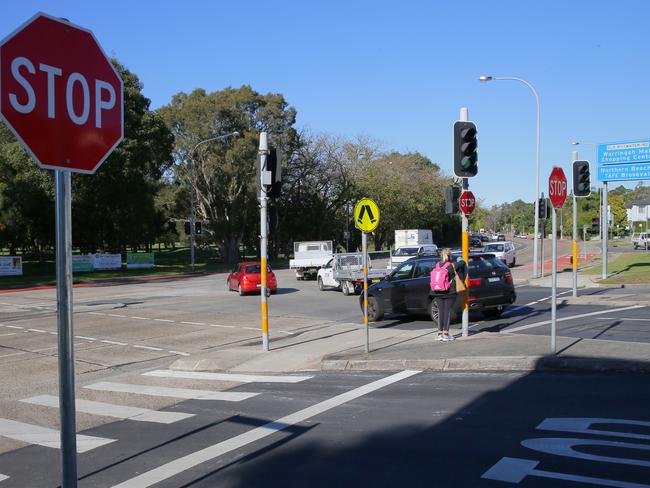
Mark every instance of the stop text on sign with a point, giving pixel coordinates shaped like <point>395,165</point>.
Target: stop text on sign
<point>73,86</point>
<point>557,188</point>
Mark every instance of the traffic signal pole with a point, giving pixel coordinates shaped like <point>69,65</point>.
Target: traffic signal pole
<point>464,117</point>
<point>575,238</point>
<point>263,152</point>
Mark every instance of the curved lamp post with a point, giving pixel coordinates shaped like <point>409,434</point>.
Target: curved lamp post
<point>192,196</point>
<point>532,89</point>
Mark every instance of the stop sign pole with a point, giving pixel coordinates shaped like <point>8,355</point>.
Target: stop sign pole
<point>63,100</point>
<point>557,193</point>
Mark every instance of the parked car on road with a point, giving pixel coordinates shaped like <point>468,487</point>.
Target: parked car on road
<point>505,251</point>
<point>247,278</point>
<point>407,289</point>
<point>641,241</point>
<point>475,241</point>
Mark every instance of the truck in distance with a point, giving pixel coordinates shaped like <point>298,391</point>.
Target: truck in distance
<point>309,256</point>
<point>345,271</point>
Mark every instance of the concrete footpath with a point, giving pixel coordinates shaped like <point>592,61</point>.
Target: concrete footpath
<point>340,347</point>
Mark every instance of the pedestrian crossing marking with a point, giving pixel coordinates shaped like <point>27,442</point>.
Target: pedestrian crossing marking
<point>239,378</point>
<point>186,393</point>
<point>111,410</point>
<point>43,436</point>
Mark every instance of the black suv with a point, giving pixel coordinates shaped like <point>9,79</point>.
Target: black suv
<point>407,289</point>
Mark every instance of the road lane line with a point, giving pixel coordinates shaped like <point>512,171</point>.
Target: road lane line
<point>96,313</point>
<point>163,391</point>
<point>86,338</point>
<point>13,354</point>
<point>115,343</point>
<point>42,436</point>
<point>3,477</point>
<point>193,323</point>
<point>149,348</point>
<point>184,463</point>
<point>116,315</point>
<point>164,320</point>
<point>623,318</point>
<point>15,327</point>
<point>573,317</point>
<point>9,334</point>
<point>239,378</point>
<point>180,353</point>
<point>37,330</point>
<point>139,318</point>
<point>111,410</point>
<point>220,325</point>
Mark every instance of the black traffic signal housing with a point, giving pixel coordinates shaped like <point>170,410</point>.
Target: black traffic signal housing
<point>452,197</point>
<point>272,165</point>
<point>465,149</point>
<point>543,209</point>
<point>198,227</point>
<point>188,229</point>
<point>581,179</point>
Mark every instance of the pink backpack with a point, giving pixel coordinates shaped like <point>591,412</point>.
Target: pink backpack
<point>440,280</point>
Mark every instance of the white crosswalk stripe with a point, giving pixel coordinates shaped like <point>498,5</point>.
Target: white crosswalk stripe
<point>111,410</point>
<point>186,393</point>
<point>239,378</point>
<point>43,436</point>
<point>3,477</point>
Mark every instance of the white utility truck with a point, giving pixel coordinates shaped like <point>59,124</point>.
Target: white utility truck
<point>309,256</point>
<point>411,243</point>
<point>345,271</point>
<point>641,241</point>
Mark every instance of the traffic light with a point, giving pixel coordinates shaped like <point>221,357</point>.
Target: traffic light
<point>198,228</point>
<point>274,182</point>
<point>188,229</point>
<point>465,149</point>
<point>543,209</point>
<point>581,179</point>
<point>452,195</point>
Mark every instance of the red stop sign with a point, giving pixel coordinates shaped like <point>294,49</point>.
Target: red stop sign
<point>467,202</point>
<point>557,187</point>
<point>60,95</point>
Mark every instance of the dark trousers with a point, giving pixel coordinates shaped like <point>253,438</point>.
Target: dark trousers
<point>444,304</point>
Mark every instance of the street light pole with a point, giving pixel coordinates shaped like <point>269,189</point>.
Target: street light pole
<point>538,133</point>
<point>193,190</point>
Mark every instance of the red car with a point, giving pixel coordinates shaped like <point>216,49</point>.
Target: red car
<point>246,278</point>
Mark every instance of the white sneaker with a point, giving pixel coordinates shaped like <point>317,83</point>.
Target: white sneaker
<point>440,338</point>
<point>449,338</point>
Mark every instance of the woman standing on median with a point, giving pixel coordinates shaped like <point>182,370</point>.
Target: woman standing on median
<point>445,298</point>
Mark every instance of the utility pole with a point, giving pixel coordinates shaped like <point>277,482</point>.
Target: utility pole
<point>265,182</point>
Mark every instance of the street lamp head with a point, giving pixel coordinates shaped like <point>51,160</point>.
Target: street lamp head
<point>575,143</point>
<point>485,78</point>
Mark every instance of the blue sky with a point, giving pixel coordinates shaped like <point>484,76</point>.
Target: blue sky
<point>400,71</point>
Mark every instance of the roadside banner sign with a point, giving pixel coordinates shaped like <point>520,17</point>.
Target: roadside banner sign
<point>11,266</point>
<point>624,161</point>
<point>139,260</point>
<point>103,261</point>
<point>366,215</point>
<point>467,202</point>
<point>82,263</point>
<point>557,187</point>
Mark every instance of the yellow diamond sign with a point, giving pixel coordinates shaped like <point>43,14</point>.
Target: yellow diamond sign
<point>366,215</point>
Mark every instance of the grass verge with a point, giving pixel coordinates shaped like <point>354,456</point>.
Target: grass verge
<point>627,268</point>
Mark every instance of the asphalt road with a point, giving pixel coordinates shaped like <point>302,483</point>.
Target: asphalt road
<point>410,429</point>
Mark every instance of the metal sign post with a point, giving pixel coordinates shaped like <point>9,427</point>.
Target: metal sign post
<point>64,327</point>
<point>543,230</point>
<point>554,280</point>
<point>464,117</point>
<point>605,228</point>
<point>366,219</point>
<point>364,249</point>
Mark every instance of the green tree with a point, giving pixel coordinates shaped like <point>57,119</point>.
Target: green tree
<point>222,174</point>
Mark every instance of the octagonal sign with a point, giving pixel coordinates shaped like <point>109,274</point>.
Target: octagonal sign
<point>60,95</point>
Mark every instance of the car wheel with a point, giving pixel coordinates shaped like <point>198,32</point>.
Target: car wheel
<point>375,314</point>
<point>514,261</point>
<point>240,291</point>
<point>433,312</point>
<point>345,289</point>
<point>494,313</point>
<point>321,285</point>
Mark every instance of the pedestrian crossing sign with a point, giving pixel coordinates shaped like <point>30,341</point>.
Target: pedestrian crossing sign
<point>366,215</point>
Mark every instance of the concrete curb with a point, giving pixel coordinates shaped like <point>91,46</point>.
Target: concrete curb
<point>503,364</point>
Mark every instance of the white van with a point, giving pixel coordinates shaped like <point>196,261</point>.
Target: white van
<point>505,251</point>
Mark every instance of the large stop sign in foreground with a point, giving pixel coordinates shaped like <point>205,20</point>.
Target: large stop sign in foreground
<point>557,187</point>
<point>60,94</point>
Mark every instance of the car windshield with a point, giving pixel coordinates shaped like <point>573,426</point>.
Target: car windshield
<point>494,248</point>
<point>406,251</point>
<point>256,268</point>
<point>483,263</point>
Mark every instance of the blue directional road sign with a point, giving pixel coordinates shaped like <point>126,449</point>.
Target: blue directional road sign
<point>624,161</point>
